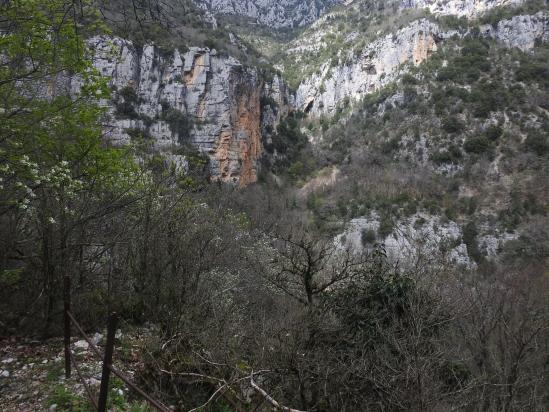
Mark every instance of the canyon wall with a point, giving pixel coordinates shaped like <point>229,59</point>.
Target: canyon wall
<point>199,97</point>
<point>388,57</point>
<point>277,14</point>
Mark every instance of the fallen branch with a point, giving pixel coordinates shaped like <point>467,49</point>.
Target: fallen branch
<point>269,398</point>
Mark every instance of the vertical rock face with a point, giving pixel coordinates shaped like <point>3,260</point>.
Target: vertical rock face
<point>467,8</point>
<point>199,98</point>
<point>520,31</point>
<point>376,66</point>
<point>276,103</point>
<point>384,60</point>
<point>297,13</point>
<point>273,13</point>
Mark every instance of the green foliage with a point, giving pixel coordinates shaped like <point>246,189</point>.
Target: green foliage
<point>488,97</point>
<point>290,144</point>
<point>391,146</point>
<point>315,201</point>
<point>367,237</point>
<point>268,101</point>
<point>125,108</point>
<point>67,401</point>
<point>138,135</point>
<point>469,64</point>
<point>452,124</point>
<point>180,124</point>
<point>470,233</point>
<point>409,80</point>
<point>533,70</point>
<point>9,277</point>
<point>479,145</point>
<point>452,154</point>
<point>55,372</point>
<point>493,133</point>
<point>55,167</point>
<point>537,142</point>
<point>129,94</point>
<point>382,301</point>
<point>454,22</point>
<point>497,14</point>
<point>386,226</point>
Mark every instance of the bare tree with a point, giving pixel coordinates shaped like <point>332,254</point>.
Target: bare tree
<point>304,266</point>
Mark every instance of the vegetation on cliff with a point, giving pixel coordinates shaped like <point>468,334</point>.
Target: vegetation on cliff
<point>232,299</point>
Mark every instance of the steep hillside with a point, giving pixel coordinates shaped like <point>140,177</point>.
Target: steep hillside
<point>276,14</point>
<point>366,76</point>
<point>386,58</point>
<point>419,133</point>
<point>200,98</point>
<point>298,205</point>
<point>463,137</point>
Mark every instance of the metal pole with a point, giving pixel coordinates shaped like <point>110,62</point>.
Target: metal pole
<point>67,324</point>
<point>107,363</point>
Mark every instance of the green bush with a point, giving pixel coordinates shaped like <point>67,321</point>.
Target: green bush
<point>470,234</point>
<point>493,133</point>
<point>138,134</point>
<point>409,80</point>
<point>386,226</point>
<point>452,125</point>
<point>179,123</point>
<point>367,237</point>
<point>453,22</point>
<point>531,70</point>
<point>488,97</point>
<point>450,155</point>
<point>537,142</point>
<point>268,101</point>
<point>129,94</point>
<point>288,139</point>
<point>479,145</point>
<point>469,64</point>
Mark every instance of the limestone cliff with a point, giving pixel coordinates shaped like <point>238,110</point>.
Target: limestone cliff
<point>466,8</point>
<point>297,13</point>
<point>277,14</point>
<point>377,65</point>
<point>198,97</point>
<point>383,60</point>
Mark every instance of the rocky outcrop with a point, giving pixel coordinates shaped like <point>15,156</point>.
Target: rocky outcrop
<point>277,14</point>
<point>422,239</point>
<point>465,8</point>
<point>198,97</point>
<point>297,13</point>
<point>520,31</point>
<point>377,65</point>
<point>416,241</point>
<point>277,101</point>
<point>385,59</point>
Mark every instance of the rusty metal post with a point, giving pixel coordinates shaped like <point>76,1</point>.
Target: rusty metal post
<point>107,361</point>
<point>67,323</point>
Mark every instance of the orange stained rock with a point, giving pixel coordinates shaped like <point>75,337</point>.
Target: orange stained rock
<point>239,148</point>
<point>198,67</point>
<point>423,47</point>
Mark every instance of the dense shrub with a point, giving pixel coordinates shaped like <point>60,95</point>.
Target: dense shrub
<point>367,237</point>
<point>386,226</point>
<point>488,97</point>
<point>479,145</point>
<point>452,125</point>
<point>180,124</point>
<point>450,155</point>
<point>537,142</point>
<point>470,233</point>
<point>469,64</point>
<point>493,133</point>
